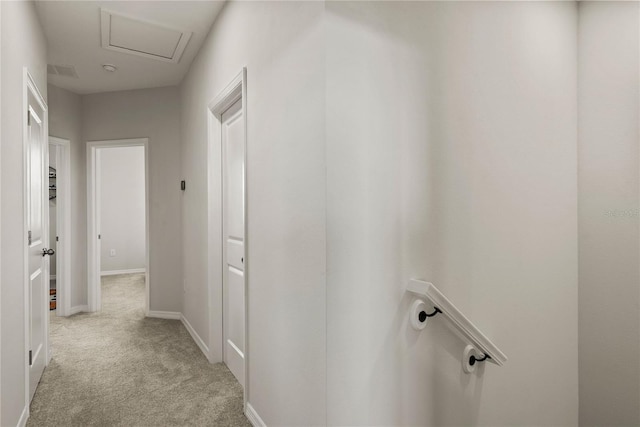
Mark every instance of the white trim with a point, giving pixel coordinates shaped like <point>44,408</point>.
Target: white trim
<point>214,281</point>
<point>229,95</point>
<point>174,315</point>
<point>24,416</point>
<point>199,341</point>
<point>78,309</point>
<point>253,416</point>
<point>53,276</point>
<point>63,225</point>
<point>129,271</point>
<point>93,258</point>
<point>25,232</point>
<point>29,85</point>
<point>235,348</point>
<point>0,215</point>
<point>235,90</point>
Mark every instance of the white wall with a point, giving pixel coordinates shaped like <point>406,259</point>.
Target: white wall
<point>65,121</point>
<point>150,113</point>
<point>122,210</point>
<point>609,107</point>
<point>282,46</point>
<point>153,114</point>
<point>451,157</point>
<point>23,44</point>
<point>0,212</point>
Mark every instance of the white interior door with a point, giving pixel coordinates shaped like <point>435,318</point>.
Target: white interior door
<point>233,214</point>
<point>37,217</point>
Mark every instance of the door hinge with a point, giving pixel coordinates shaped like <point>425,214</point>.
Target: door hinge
<point>99,237</point>
<point>57,239</point>
<point>28,118</point>
<point>30,357</point>
<point>29,236</point>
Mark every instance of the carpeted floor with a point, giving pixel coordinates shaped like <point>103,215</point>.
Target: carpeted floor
<point>118,368</point>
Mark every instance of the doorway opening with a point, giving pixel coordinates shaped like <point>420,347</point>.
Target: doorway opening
<point>228,292</point>
<point>118,216</point>
<point>59,194</point>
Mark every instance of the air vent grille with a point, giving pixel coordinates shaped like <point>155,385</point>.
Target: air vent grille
<point>62,70</point>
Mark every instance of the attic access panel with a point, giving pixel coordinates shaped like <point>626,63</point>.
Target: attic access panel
<point>142,38</point>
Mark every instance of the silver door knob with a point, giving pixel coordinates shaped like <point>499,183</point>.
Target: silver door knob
<point>48,252</point>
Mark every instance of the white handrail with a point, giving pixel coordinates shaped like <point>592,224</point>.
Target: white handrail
<point>458,320</point>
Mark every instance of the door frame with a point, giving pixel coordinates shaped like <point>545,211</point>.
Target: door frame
<point>94,292</point>
<point>30,87</point>
<point>234,91</point>
<point>0,213</point>
<point>63,225</point>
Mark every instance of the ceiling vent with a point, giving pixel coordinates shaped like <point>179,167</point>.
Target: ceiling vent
<point>142,38</point>
<point>62,70</point>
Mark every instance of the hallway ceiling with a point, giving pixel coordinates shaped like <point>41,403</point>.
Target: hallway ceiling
<point>74,38</point>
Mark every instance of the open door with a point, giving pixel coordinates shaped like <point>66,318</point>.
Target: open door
<point>37,214</point>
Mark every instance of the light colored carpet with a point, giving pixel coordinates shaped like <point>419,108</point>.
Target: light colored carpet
<point>118,368</point>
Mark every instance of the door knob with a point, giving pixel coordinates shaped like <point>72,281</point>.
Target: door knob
<point>48,252</point>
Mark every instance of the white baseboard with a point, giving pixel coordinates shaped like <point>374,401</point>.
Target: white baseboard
<point>253,416</point>
<point>78,309</point>
<point>174,315</point>
<point>195,336</point>
<point>24,417</point>
<point>130,271</point>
